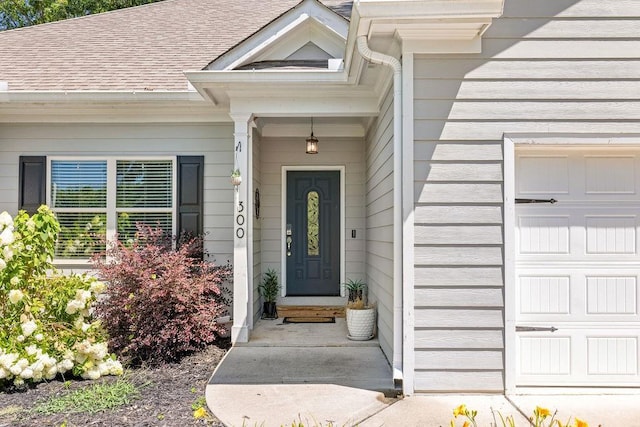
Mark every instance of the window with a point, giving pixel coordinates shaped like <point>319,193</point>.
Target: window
<point>313,223</point>
<point>98,198</point>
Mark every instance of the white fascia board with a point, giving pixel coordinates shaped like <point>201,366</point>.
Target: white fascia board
<point>264,76</point>
<point>110,113</point>
<point>434,9</point>
<point>100,96</point>
<point>279,28</point>
<point>107,107</point>
<point>304,106</point>
<point>294,93</point>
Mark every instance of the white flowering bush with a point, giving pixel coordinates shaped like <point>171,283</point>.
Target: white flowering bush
<point>46,322</point>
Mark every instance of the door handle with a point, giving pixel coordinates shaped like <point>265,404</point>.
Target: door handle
<point>289,240</point>
<point>552,201</point>
<point>535,329</point>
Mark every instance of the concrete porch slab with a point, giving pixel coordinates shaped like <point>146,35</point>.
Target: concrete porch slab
<point>357,367</point>
<point>306,372</point>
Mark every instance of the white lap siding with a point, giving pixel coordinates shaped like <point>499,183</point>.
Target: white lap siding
<point>562,66</point>
<point>379,205</point>
<point>213,141</point>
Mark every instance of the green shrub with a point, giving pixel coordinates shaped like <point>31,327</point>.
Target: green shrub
<point>46,325</point>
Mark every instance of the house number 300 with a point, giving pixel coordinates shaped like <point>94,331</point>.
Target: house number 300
<point>240,221</point>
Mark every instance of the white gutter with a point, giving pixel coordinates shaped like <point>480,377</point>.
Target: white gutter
<point>97,96</point>
<point>390,61</point>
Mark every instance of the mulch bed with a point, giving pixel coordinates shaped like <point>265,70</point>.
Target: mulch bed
<point>166,396</point>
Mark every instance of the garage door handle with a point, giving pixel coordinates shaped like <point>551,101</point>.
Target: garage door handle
<point>534,329</point>
<point>552,201</point>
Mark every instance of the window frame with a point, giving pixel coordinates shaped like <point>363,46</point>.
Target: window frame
<point>111,209</point>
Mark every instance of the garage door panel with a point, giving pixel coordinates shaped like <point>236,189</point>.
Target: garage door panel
<point>610,175</point>
<point>578,295</point>
<point>577,233</point>
<point>611,234</point>
<point>609,355</point>
<point>613,295</point>
<point>578,357</point>
<point>575,175</point>
<point>544,234</point>
<point>544,295</point>
<point>554,180</point>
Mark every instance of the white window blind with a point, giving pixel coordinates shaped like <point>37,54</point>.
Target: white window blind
<point>144,194</point>
<point>79,184</point>
<point>79,198</point>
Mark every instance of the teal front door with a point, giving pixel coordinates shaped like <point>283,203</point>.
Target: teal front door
<point>312,233</point>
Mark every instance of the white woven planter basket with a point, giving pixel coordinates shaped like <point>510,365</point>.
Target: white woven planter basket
<point>361,323</point>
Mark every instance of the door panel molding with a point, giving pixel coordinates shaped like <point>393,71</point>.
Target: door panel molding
<point>283,218</point>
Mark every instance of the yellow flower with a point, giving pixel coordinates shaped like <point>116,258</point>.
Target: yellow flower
<point>580,423</point>
<point>460,410</point>
<point>202,413</point>
<point>466,424</point>
<point>542,412</point>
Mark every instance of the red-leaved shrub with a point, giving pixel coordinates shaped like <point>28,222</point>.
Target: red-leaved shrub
<point>160,302</point>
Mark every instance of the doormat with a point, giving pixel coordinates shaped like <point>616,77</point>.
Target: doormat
<point>330,319</point>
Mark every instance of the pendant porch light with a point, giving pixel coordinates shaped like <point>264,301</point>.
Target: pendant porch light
<point>312,142</point>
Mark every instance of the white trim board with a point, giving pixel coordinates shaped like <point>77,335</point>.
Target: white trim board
<point>510,143</point>
<point>408,238</point>
<point>283,223</point>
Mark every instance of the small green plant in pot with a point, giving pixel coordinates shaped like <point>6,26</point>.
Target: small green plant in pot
<point>361,317</point>
<point>269,289</point>
<point>236,177</point>
<point>357,292</point>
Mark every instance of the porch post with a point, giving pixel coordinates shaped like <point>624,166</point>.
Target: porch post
<point>241,232</point>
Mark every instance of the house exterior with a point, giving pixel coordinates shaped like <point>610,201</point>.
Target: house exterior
<point>446,130</point>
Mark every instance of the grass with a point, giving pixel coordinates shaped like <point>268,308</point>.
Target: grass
<point>10,410</point>
<point>91,399</point>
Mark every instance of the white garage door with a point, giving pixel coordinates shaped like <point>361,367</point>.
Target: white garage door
<point>578,266</point>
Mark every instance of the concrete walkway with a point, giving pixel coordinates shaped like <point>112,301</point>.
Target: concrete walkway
<point>312,374</point>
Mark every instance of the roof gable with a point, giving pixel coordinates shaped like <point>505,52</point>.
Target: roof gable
<point>308,32</point>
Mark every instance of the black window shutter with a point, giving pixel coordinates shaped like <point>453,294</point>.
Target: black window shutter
<point>33,180</point>
<point>190,194</point>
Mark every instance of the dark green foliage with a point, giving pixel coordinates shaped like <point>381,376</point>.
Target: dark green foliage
<point>270,286</point>
<point>22,13</point>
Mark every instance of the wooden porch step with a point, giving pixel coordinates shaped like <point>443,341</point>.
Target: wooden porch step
<point>310,311</point>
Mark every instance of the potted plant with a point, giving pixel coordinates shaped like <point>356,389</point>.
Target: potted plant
<point>361,316</point>
<point>268,290</point>
<point>236,178</point>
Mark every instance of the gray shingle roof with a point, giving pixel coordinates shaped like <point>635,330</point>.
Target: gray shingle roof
<point>141,48</point>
